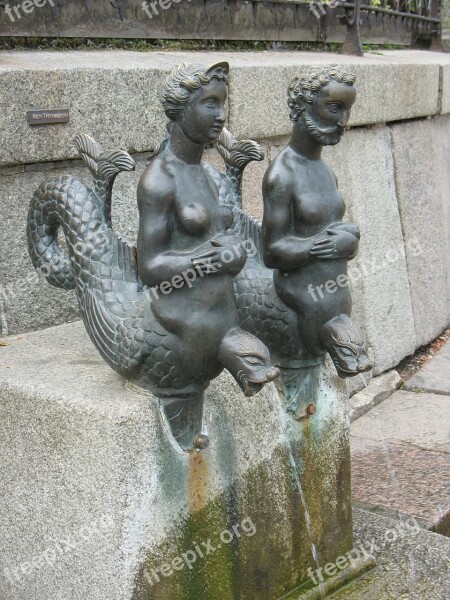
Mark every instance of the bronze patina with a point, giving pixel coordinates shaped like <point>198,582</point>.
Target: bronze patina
<point>163,315</point>
<point>305,238</point>
<point>207,287</point>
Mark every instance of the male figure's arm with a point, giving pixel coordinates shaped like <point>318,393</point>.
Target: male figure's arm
<point>282,250</point>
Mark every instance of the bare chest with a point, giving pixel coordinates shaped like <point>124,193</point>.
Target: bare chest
<point>316,201</point>
<point>197,209</point>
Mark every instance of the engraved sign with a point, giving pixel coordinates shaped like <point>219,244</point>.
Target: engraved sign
<point>48,116</point>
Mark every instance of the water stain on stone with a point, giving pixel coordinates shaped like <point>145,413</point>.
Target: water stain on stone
<point>272,560</point>
<point>197,481</point>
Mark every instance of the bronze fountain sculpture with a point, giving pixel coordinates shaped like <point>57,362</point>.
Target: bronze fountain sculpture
<point>170,314</point>
<point>294,293</point>
<point>206,288</point>
<point>303,238</point>
<point>163,316</point>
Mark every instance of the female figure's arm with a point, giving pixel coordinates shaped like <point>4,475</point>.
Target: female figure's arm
<point>156,261</point>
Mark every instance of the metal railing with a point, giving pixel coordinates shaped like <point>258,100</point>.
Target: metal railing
<point>400,22</point>
<point>417,19</point>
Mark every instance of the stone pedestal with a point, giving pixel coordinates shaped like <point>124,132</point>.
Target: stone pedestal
<point>98,502</point>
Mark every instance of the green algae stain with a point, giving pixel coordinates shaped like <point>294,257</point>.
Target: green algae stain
<point>195,564</point>
<point>203,557</point>
<point>270,554</point>
<point>196,560</point>
<point>326,469</point>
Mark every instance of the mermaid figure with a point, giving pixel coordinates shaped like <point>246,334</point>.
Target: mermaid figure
<point>305,239</point>
<point>163,315</point>
<point>293,293</point>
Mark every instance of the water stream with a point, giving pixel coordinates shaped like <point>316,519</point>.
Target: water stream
<point>314,551</point>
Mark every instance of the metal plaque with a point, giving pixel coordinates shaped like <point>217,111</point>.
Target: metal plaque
<point>48,116</point>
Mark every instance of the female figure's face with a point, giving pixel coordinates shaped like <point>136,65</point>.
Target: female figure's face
<point>204,116</point>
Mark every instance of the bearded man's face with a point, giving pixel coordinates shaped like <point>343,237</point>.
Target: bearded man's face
<point>327,117</point>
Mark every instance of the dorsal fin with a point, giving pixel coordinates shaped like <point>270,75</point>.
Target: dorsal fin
<point>112,163</point>
<point>89,150</point>
<point>236,153</point>
<point>104,166</point>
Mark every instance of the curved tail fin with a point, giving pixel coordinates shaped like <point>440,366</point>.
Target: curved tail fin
<point>104,166</point>
<point>238,153</point>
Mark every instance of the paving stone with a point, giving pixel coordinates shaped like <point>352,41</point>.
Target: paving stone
<point>423,147</point>
<point>412,564</point>
<point>412,418</point>
<point>400,478</point>
<point>377,390</point>
<point>400,453</point>
<point>408,563</point>
<point>434,376</point>
<point>356,384</point>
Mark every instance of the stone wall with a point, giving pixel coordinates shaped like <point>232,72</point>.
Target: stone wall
<point>446,23</point>
<point>392,167</point>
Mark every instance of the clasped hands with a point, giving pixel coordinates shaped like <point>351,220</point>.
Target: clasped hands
<point>339,240</point>
<point>227,255</point>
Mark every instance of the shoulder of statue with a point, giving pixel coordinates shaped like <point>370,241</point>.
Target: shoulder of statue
<point>330,170</point>
<point>157,180</point>
<point>283,168</point>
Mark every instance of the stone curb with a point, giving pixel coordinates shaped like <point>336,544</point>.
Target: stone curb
<point>331,585</point>
<point>377,390</point>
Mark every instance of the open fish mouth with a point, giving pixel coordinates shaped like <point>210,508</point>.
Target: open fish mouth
<point>347,371</point>
<point>355,370</point>
<point>251,388</point>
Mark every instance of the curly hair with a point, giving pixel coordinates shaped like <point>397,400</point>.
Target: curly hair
<point>306,85</point>
<point>185,79</point>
